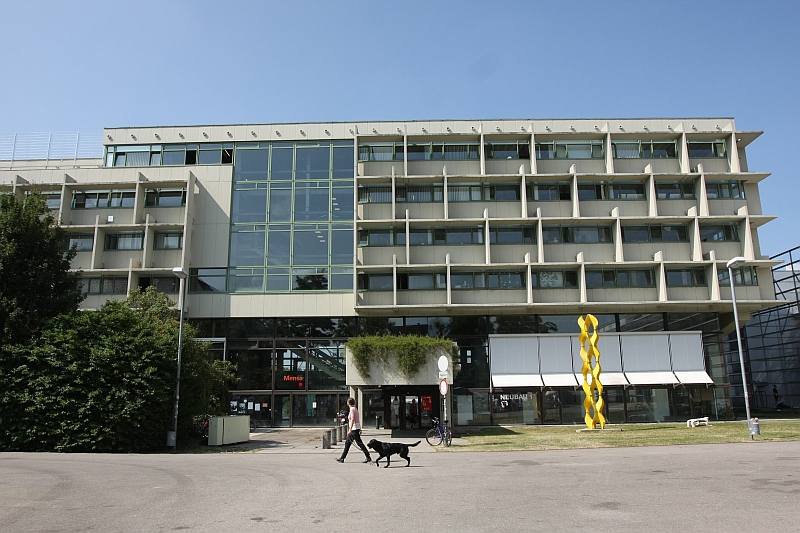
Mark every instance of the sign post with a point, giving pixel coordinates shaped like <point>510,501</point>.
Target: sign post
<point>443,365</point>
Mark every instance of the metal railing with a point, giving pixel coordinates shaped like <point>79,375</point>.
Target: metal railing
<point>51,149</point>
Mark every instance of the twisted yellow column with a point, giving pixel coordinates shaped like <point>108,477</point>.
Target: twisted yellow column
<point>594,409</point>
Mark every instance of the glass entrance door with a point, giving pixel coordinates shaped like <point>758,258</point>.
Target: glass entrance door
<point>412,412</point>
<point>283,410</point>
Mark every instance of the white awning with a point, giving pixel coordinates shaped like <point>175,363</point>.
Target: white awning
<point>517,380</point>
<point>555,361</point>
<point>694,378</point>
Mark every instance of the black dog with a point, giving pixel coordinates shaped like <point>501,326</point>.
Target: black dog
<point>386,449</point>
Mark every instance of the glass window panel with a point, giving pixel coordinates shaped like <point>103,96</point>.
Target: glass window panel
<point>458,193</point>
<point>504,193</point>
<point>461,280</point>
<point>343,162</point>
<point>588,191</point>
<point>420,237</point>
<point>594,278</point>
<point>155,159</point>
<point>640,278</point>
<point>342,204</point>
<point>626,150</point>
<point>420,282</point>
<point>310,282</point>
<point>278,243</point>
<point>342,247</point>
<point>311,204</point>
<point>380,237</point>
<point>635,234</point>
<point>249,205</point>
<point>251,165</point>
<point>310,247</point>
<point>312,163</point>
<point>170,158</point>
<point>247,248</point>
<point>246,281</point>
<point>679,278</point>
<point>701,149</point>
<point>168,240</point>
<point>585,234</point>
<point>674,234</point>
<point>380,282</point>
<point>137,159</point>
<point>419,194</point>
<point>282,161</point>
<point>545,191</point>
<point>712,190</point>
<point>278,279</point>
<point>579,151</point>
<point>503,151</point>
<point>459,236</point>
<point>81,242</point>
<point>208,280</point>
<point>123,199</point>
<point>341,282</point>
<point>210,157</point>
<point>737,189</point>
<point>551,235</point>
<point>509,235</point>
<point>419,152</point>
<point>668,191</point>
<point>663,150</point>
<point>280,205</point>
<point>168,198</point>
<point>544,151</point>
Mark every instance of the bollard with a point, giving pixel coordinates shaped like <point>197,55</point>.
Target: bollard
<point>754,427</point>
<point>326,440</point>
<point>333,437</point>
<point>342,432</point>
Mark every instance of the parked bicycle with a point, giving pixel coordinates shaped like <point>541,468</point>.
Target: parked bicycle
<point>439,433</point>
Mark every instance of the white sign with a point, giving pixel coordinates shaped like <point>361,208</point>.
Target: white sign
<point>442,375</point>
<point>443,387</point>
<point>443,363</point>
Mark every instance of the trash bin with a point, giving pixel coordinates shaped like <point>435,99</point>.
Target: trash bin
<point>378,421</point>
<point>754,428</point>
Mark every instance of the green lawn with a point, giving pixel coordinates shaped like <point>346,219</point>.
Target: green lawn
<point>566,437</point>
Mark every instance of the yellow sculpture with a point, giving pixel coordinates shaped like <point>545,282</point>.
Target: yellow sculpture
<point>594,408</point>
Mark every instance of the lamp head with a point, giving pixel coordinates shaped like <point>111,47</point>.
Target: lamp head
<point>735,262</point>
<point>180,272</point>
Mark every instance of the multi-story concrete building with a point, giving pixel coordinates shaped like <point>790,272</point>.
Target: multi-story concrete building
<point>494,233</point>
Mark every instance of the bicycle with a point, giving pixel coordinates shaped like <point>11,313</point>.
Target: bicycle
<point>438,434</point>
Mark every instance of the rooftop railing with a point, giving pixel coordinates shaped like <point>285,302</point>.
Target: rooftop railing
<point>49,149</point>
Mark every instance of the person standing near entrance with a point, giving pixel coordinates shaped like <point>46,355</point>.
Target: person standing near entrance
<point>412,413</point>
<point>354,432</point>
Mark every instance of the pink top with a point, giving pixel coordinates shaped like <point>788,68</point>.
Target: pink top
<point>354,418</point>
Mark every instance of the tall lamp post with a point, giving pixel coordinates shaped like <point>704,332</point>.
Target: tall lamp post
<point>733,263</point>
<point>172,436</point>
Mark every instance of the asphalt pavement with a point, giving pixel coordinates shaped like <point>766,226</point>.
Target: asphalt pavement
<point>284,481</point>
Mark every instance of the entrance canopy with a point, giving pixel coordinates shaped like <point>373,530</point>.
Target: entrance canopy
<point>554,360</point>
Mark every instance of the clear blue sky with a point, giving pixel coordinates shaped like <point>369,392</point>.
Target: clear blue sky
<point>82,66</point>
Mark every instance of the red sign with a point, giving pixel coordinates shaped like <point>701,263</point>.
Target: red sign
<point>443,387</point>
<point>427,403</point>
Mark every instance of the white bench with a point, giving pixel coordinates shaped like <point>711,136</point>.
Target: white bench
<point>694,422</point>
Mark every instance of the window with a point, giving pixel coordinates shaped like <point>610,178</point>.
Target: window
<point>105,285</point>
<point>575,234</point>
<point>375,194</point>
<point>744,275</point>
<point>675,190</point>
<point>168,240</point>
<point>512,235</point>
<point>165,197</point>
<point>647,149</point>
<point>706,149</point>
<point>719,233</point>
<point>724,189</point>
<point>376,237</point>
<point>376,152</point>
<point>207,279</point>
<point>52,199</point>
<point>310,279</point>
<point>590,191</point>
<point>375,282</point>
<point>625,191</point>
<point>686,277</point>
<point>420,193</point>
<point>464,193</point>
<point>506,280</point>
<point>655,233</point>
<point>124,241</point>
<point>508,150</point>
<point>544,192</point>
<point>82,242</point>
<point>420,281</point>
<point>246,280</point>
<point>90,199</point>
<point>502,192</point>
<point>556,279</point>
<point>165,284</point>
<point>569,150</point>
<point>610,277</point>
<point>123,199</point>
<point>461,235</point>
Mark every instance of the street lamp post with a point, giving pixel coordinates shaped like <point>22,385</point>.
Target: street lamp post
<point>172,436</point>
<point>733,263</point>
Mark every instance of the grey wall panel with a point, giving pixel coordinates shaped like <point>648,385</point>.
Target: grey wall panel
<point>610,353</point>
<point>514,355</point>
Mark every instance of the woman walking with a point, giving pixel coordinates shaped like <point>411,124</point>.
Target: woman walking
<point>354,432</point>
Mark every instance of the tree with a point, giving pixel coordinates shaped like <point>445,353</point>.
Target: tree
<point>35,282</point>
<point>104,380</point>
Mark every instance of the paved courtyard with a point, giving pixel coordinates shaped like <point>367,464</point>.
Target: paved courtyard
<point>284,481</point>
